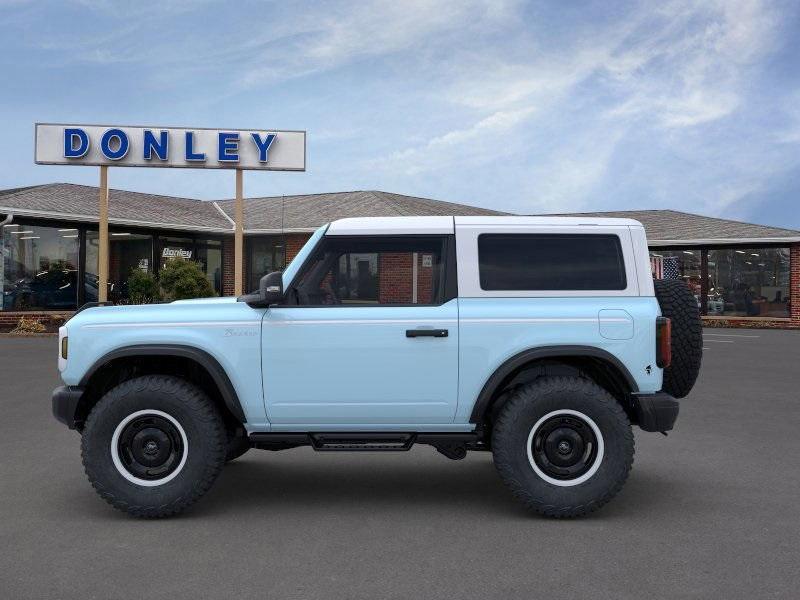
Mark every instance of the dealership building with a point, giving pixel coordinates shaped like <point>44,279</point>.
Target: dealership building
<point>742,274</point>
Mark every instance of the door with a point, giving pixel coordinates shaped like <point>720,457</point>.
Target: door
<point>368,335</point>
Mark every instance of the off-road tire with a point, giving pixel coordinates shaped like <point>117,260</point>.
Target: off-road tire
<point>680,306</point>
<point>205,451</point>
<point>237,444</point>
<point>526,407</point>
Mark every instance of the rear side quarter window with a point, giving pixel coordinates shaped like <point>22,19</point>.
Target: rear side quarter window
<point>550,262</point>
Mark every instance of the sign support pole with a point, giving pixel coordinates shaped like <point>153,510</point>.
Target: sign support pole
<point>103,254</point>
<point>238,255</point>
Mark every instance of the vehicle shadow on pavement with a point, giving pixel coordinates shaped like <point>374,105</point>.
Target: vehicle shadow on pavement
<point>380,484</point>
<point>345,483</point>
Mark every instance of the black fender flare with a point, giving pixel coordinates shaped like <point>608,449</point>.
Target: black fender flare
<point>203,358</point>
<point>482,403</point>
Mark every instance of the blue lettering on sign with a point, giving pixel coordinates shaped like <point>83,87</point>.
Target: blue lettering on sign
<point>159,146</point>
<point>190,153</point>
<point>263,145</point>
<point>228,147</point>
<point>122,147</point>
<point>71,136</point>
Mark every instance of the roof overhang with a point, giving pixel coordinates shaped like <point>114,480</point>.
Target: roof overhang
<point>725,241</point>
<point>93,219</point>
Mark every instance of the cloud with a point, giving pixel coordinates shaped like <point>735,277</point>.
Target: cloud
<point>568,109</point>
<point>465,146</point>
<point>522,106</point>
<point>331,38</point>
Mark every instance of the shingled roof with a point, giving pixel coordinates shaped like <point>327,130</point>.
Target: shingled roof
<point>673,228</point>
<point>72,202</point>
<point>292,213</point>
<point>305,213</point>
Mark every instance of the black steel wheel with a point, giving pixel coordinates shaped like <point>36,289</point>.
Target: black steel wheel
<point>149,447</point>
<point>563,445</point>
<point>153,445</point>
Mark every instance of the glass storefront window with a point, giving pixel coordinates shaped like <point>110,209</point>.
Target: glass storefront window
<point>127,252</point>
<point>209,255</point>
<point>39,267</point>
<point>685,265</point>
<point>176,247</point>
<point>264,255</point>
<point>749,282</point>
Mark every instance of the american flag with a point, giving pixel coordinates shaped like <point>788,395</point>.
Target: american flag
<point>665,267</point>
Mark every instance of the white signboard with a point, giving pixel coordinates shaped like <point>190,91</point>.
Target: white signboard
<point>190,148</point>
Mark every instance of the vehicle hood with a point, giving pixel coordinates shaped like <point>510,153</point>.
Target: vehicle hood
<point>151,315</point>
<point>226,300</point>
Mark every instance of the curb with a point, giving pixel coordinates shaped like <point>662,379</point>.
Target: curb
<point>25,335</point>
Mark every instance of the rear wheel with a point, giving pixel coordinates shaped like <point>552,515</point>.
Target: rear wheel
<point>153,445</point>
<point>563,445</point>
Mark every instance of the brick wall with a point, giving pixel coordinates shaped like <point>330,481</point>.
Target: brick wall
<point>228,267</point>
<point>12,317</point>
<point>294,242</point>
<point>794,283</point>
<point>395,279</point>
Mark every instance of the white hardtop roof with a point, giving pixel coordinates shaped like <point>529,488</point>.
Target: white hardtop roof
<point>391,225</point>
<point>434,225</point>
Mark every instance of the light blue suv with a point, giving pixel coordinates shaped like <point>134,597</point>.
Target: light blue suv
<point>541,340</point>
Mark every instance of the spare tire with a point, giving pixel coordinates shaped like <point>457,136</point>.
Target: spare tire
<point>680,306</point>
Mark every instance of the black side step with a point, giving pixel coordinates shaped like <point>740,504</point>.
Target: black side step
<point>452,445</point>
<point>381,442</point>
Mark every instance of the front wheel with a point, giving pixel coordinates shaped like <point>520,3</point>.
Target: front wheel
<point>563,445</point>
<point>153,445</point>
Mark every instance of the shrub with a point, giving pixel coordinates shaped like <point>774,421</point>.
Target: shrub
<point>143,287</point>
<point>181,279</point>
<point>56,320</point>
<point>28,325</point>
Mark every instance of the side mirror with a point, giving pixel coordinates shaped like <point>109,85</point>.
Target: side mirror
<point>271,287</point>
<point>270,291</point>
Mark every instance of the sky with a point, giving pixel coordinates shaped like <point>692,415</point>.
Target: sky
<point>526,107</point>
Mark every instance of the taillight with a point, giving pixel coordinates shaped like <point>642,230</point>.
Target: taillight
<point>663,342</point>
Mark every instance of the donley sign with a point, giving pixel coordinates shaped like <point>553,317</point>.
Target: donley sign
<point>122,146</point>
<point>107,146</point>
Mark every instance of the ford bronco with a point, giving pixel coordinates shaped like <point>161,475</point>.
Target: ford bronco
<point>540,339</point>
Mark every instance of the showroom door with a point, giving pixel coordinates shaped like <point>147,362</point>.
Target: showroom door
<point>368,335</point>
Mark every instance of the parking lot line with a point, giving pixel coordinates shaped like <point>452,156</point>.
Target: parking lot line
<point>720,341</point>
<point>730,335</point>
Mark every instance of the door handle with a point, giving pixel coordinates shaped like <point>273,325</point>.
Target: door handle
<point>439,333</point>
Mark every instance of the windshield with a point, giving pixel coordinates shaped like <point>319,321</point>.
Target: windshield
<point>291,269</point>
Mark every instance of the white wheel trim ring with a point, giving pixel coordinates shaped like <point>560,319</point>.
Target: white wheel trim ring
<point>597,461</point>
<point>115,451</point>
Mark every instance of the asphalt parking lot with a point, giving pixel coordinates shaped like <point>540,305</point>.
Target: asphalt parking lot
<point>709,512</point>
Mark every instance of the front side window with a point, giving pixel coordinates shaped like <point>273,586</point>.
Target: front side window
<point>365,271</point>
<point>550,262</point>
